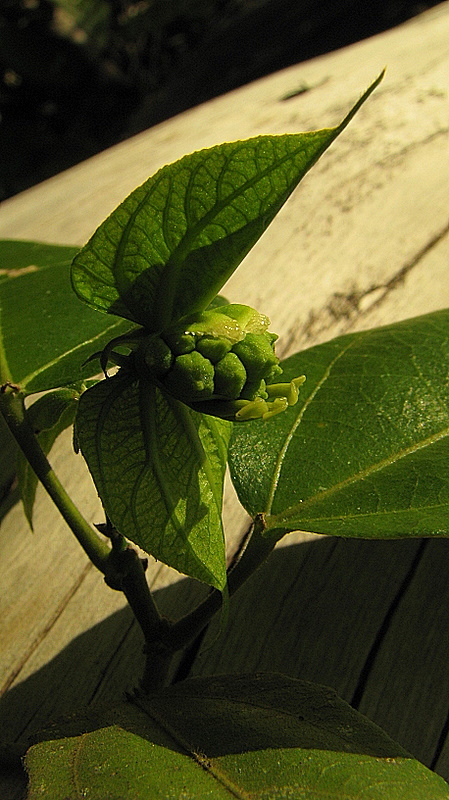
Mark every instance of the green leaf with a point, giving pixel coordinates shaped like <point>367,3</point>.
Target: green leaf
<point>158,468</point>
<point>171,245</point>
<point>46,334</point>
<point>366,452</point>
<point>265,736</point>
<point>49,416</point>
<point>18,256</point>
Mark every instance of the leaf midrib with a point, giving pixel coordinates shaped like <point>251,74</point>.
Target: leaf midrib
<point>298,420</point>
<point>219,775</point>
<point>5,372</point>
<point>32,375</point>
<point>184,247</point>
<point>147,406</point>
<point>182,415</point>
<point>276,520</point>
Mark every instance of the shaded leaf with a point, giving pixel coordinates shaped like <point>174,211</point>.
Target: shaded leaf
<point>159,469</point>
<point>49,416</point>
<point>46,334</point>
<point>171,245</point>
<point>265,736</point>
<point>366,452</point>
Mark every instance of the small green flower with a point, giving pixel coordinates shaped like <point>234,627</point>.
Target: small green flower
<point>220,362</point>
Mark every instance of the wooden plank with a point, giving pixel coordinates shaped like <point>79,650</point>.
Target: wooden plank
<point>407,686</point>
<point>368,232</point>
<point>365,617</point>
<point>53,600</point>
<point>41,571</point>
<point>409,108</point>
<point>419,287</point>
<point>312,611</point>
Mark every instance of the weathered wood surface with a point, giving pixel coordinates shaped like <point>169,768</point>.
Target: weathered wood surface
<point>363,242</point>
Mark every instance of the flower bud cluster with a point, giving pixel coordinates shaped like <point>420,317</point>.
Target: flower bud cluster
<point>221,362</point>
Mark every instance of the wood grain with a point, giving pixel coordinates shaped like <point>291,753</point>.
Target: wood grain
<point>363,242</point>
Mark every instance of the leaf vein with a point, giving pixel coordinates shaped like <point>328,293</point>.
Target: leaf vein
<point>298,419</point>
<point>32,375</point>
<point>359,476</point>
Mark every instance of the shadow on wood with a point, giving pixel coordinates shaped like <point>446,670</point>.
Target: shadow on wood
<point>368,618</point>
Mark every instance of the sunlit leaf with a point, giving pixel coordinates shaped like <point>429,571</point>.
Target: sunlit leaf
<point>46,334</point>
<point>159,469</point>
<point>366,452</point>
<point>171,245</point>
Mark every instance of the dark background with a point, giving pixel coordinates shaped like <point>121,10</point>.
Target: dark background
<point>79,75</point>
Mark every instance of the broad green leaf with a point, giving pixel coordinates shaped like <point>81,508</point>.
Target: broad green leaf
<point>171,245</point>
<point>366,452</point>
<point>158,468</point>
<point>264,737</point>
<point>46,334</point>
<point>49,416</point>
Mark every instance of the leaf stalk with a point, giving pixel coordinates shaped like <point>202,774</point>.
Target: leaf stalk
<point>255,552</point>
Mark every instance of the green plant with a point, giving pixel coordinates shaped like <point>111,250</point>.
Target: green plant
<point>192,384</point>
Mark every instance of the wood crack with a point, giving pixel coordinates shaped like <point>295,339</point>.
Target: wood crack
<point>386,623</point>
<point>343,310</point>
<point>59,610</point>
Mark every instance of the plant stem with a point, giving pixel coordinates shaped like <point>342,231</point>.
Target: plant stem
<point>158,659</point>
<point>258,548</point>
<point>121,565</point>
<point>123,569</point>
<point>13,409</point>
<point>126,573</point>
<point>164,641</point>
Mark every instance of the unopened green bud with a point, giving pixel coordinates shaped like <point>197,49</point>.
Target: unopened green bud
<point>191,378</point>
<point>179,343</point>
<point>230,377</point>
<point>221,362</point>
<point>213,349</point>
<point>257,355</point>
